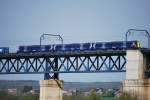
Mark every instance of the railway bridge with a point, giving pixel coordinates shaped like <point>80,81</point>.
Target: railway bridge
<point>136,64</point>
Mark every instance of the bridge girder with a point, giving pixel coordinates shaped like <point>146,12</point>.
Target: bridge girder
<point>55,63</point>
<point>51,64</point>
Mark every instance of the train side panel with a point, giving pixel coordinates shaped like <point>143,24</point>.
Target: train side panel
<point>86,46</point>
<point>72,47</point>
<point>48,48</point>
<point>99,46</point>
<point>34,48</point>
<point>58,47</point>
<point>114,45</point>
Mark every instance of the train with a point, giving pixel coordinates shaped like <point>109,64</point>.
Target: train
<point>75,47</point>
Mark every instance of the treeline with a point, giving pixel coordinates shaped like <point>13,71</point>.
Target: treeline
<point>20,94</point>
<point>94,96</point>
<point>77,96</point>
<point>6,96</point>
<point>80,96</point>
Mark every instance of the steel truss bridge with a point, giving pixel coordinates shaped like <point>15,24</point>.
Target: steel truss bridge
<point>51,64</point>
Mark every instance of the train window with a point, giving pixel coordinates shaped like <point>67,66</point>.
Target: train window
<point>114,45</point>
<point>42,47</point>
<point>103,45</point>
<point>25,48</point>
<point>86,46</point>
<point>68,47</point>
<point>133,44</point>
<point>76,46</point>
<point>58,47</point>
<point>118,45</point>
<point>48,48</point>
<point>108,45</point>
<point>124,45</point>
<point>72,47</point>
<point>98,45</point>
<point>130,44</point>
<point>81,46</point>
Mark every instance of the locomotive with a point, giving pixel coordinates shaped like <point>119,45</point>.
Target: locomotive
<point>74,47</point>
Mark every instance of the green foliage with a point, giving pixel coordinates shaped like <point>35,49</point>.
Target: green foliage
<point>7,96</point>
<point>67,97</point>
<point>28,97</point>
<point>26,89</point>
<point>80,96</point>
<point>126,96</point>
<point>108,93</point>
<point>3,94</point>
<point>94,96</point>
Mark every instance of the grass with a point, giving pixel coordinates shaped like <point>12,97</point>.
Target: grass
<point>107,98</point>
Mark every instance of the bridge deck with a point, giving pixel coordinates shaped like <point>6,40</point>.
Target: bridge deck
<point>63,54</point>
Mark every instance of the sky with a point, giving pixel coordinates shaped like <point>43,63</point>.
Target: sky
<point>22,22</point>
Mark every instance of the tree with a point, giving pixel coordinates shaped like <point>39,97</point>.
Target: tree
<point>26,89</point>
<point>29,97</point>
<point>94,96</point>
<point>126,96</point>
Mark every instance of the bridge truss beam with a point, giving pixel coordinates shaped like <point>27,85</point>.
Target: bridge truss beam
<point>67,63</point>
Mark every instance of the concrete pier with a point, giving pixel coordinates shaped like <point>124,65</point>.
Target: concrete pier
<point>139,88</point>
<point>135,84</point>
<point>50,89</point>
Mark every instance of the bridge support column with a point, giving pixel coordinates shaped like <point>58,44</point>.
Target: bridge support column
<point>50,89</point>
<point>139,88</point>
<point>135,84</point>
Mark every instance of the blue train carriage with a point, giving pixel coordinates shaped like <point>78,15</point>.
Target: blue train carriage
<point>62,47</point>
<point>119,45</point>
<point>4,50</point>
<point>108,45</point>
<point>35,48</point>
<point>99,46</point>
<point>79,47</point>
<point>29,49</point>
<point>72,47</point>
<point>116,45</point>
